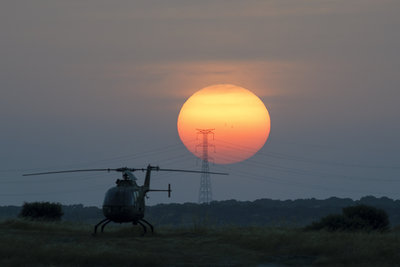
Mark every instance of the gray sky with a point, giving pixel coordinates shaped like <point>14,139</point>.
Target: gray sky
<point>87,84</point>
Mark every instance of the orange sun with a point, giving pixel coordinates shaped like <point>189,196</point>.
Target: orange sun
<point>239,119</point>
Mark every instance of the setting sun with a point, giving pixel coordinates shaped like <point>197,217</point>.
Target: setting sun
<point>239,118</point>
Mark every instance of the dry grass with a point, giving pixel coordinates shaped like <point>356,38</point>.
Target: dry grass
<point>25,243</point>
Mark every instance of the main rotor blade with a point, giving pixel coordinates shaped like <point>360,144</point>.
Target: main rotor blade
<point>176,170</point>
<point>121,170</point>
<point>85,170</point>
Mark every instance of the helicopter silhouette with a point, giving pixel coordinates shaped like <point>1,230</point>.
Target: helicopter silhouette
<point>125,202</point>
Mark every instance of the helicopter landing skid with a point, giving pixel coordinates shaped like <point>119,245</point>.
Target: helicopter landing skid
<point>142,223</point>
<point>144,228</point>
<point>149,224</point>
<point>104,222</point>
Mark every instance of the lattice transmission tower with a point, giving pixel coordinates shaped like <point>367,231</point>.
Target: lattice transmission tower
<point>205,193</point>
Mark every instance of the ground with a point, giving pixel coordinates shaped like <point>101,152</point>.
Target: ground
<point>24,243</point>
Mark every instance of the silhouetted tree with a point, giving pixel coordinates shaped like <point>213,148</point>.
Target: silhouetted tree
<point>354,218</point>
<point>367,217</point>
<point>42,211</point>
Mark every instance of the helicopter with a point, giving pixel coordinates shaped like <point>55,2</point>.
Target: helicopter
<point>125,202</point>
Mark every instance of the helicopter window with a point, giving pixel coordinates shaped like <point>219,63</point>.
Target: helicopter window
<point>130,198</point>
<point>121,197</point>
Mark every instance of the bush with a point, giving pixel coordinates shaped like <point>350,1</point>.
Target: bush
<point>42,211</point>
<point>354,218</point>
<point>372,218</point>
<point>333,222</point>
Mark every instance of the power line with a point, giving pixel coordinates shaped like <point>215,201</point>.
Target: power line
<point>283,156</point>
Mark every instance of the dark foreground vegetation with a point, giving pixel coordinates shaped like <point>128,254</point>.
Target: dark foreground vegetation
<point>29,243</point>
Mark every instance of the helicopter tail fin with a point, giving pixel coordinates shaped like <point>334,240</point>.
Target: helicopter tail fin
<point>147,179</point>
<point>148,172</point>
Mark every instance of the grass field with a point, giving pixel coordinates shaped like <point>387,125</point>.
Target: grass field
<point>24,243</point>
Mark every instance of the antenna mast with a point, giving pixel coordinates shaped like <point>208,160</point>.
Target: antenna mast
<point>205,193</point>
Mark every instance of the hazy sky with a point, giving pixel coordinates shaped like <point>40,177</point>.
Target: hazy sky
<point>87,84</point>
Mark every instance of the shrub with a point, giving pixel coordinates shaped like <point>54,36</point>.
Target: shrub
<point>333,222</point>
<point>42,211</point>
<point>372,218</point>
<point>354,218</point>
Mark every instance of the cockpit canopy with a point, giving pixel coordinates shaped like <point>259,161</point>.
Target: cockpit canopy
<point>121,196</point>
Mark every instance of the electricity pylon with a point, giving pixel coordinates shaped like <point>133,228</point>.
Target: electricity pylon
<point>205,193</point>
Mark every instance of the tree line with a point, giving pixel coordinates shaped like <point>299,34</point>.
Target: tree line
<point>268,212</point>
